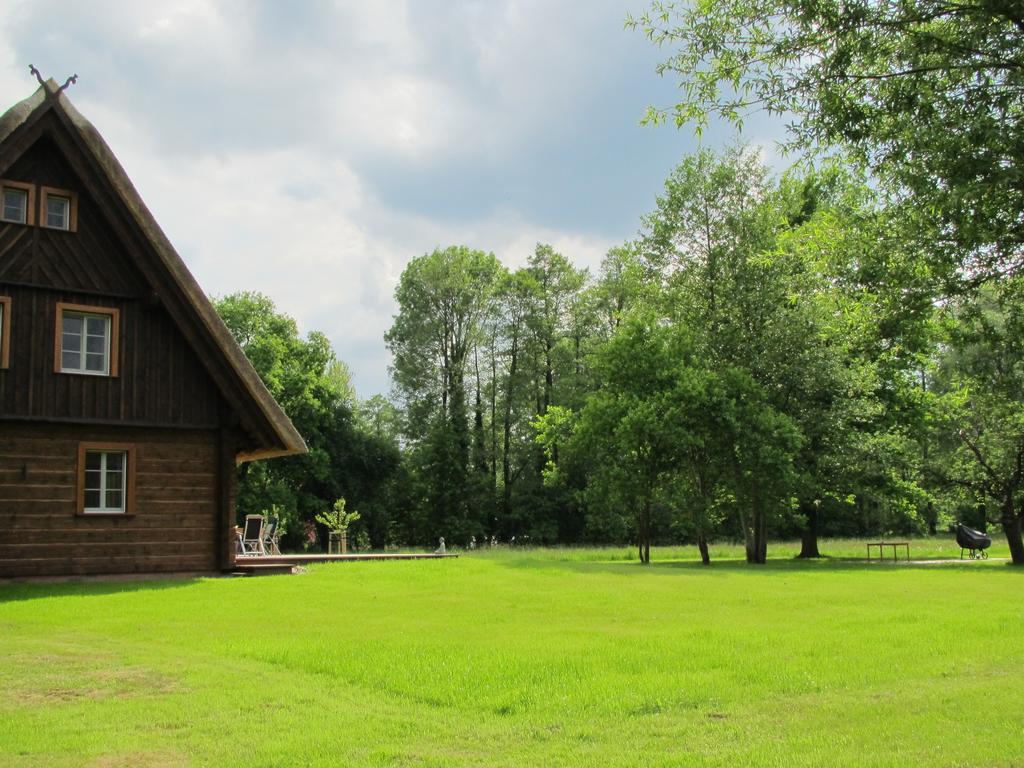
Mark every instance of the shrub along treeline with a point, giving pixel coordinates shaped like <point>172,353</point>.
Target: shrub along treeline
<point>767,358</point>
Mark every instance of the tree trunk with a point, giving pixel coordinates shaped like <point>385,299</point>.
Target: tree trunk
<point>702,545</point>
<point>757,537</point>
<point>506,453</point>
<point>748,535</point>
<point>748,519</point>
<point>549,375</point>
<point>479,441</point>
<point>644,532</point>
<point>809,539</point>
<point>762,536</point>
<point>1012,528</point>
<point>494,419</point>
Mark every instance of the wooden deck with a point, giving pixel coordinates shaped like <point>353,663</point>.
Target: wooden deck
<point>283,563</point>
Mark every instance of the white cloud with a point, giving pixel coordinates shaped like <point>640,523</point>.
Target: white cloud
<point>406,115</point>
<point>304,231</point>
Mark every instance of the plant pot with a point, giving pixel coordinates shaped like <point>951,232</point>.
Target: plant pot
<point>337,543</point>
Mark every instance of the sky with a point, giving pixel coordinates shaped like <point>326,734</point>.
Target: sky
<point>310,150</point>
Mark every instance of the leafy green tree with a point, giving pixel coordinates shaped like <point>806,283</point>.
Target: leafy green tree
<point>768,274</point>
<point>980,392</point>
<point>632,428</point>
<point>664,429</point>
<point>557,283</point>
<point>294,370</point>
<point>928,93</point>
<point>832,382</point>
<point>379,417</point>
<point>714,239</point>
<point>314,389</point>
<point>625,281</point>
<point>443,299</point>
<point>514,299</point>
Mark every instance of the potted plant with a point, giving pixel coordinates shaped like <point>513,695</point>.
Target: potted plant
<point>337,520</point>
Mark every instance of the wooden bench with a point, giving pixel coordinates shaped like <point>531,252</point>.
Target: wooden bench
<point>893,544</point>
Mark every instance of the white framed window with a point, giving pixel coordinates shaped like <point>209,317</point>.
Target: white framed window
<point>58,212</point>
<point>87,340</point>
<point>17,202</point>
<point>59,209</point>
<point>15,205</point>
<point>5,331</point>
<point>85,343</point>
<point>106,479</point>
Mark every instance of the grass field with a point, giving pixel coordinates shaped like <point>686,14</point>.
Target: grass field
<point>513,658</point>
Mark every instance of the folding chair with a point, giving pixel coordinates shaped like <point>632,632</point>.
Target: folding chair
<point>252,536</point>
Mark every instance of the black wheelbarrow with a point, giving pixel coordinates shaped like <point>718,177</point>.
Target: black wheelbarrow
<point>973,542</point>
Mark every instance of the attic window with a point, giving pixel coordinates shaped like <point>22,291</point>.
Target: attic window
<point>59,209</point>
<point>17,204</point>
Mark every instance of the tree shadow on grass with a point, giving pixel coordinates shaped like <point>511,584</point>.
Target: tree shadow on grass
<point>734,566</point>
<point>15,591</point>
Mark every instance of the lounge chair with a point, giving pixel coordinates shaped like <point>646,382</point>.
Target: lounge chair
<point>270,535</point>
<point>252,536</point>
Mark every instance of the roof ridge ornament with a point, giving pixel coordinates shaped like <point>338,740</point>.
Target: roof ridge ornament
<point>67,83</point>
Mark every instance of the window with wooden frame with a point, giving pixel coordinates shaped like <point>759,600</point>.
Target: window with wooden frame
<point>58,209</point>
<point>106,479</point>
<point>87,340</point>
<point>17,202</point>
<point>5,331</point>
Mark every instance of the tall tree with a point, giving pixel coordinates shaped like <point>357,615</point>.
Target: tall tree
<point>557,282</point>
<point>625,280</point>
<point>442,297</point>
<point>515,297</point>
<point>766,273</point>
<point>712,238</point>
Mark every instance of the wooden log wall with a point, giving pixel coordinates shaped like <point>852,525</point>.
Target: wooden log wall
<point>161,381</point>
<point>175,527</point>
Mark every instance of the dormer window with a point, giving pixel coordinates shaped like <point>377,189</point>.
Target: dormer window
<point>17,202</point>
<point>59,209</point>
<point>58,212</point>
<point>15,205</point>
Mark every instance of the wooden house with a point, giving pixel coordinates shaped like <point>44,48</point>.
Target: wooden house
<point>125,404</point>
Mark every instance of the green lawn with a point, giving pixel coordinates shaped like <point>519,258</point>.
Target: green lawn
<point>547,657</point>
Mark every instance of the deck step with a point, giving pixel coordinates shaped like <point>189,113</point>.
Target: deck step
<point>261,569</point>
